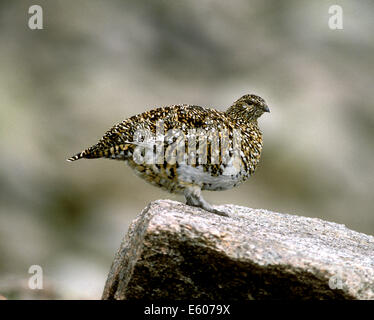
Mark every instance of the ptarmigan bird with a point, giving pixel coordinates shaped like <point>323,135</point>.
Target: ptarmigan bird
<point>186,148</point>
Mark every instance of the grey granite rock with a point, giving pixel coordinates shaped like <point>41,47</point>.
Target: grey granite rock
<point>179,252</point>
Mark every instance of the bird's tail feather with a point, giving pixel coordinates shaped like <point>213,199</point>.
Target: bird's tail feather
<point>78,156</point>
<point>90,153</point>
<point>97,151</point>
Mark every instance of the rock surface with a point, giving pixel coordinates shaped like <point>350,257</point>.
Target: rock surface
<point>179,252</point>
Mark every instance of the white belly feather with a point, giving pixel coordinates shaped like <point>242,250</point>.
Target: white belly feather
<point>231,176</point>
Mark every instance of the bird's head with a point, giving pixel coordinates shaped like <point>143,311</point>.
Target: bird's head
<point>248,107</point>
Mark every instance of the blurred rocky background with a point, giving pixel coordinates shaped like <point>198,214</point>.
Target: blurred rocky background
<point>97,62</point>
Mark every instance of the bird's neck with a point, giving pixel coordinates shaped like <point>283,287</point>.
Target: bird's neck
<point>241,115</point>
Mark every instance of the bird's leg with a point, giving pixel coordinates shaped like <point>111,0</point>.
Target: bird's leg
<point>194,198</point>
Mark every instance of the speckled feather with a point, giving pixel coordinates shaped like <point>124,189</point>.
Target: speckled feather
<point>117,143</point>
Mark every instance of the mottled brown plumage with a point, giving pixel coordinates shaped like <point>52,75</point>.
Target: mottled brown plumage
<point>217,168</point>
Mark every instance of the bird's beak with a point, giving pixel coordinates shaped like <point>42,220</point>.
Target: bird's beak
<point>266,109</point>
